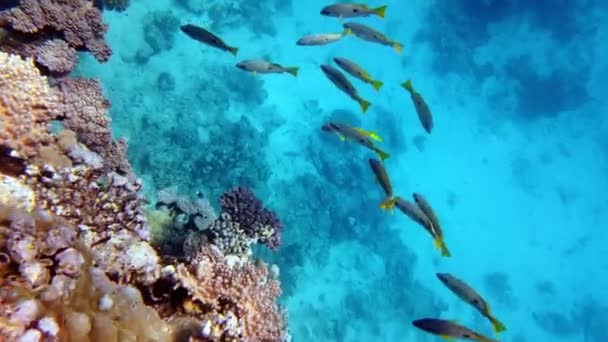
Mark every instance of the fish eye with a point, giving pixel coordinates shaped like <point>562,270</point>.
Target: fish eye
<point>466,336</point>
<point>355,10</point>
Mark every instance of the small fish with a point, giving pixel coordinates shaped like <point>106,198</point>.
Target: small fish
<point>424,113</point>
<point>469,295</point>
<point>357,71</point>
<point>351,10</point>
<point>367,33</point>
<point>414,212</point>
<point>389,201</point>
<point>200,34</point>
<point>340,81</point>
<point>322,38</point>
<point>448,329</point>
<point>359,135</point>
<point>426,208</point>
<point>265,67</point>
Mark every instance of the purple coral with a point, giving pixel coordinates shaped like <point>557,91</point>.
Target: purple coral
<point>248,211</point>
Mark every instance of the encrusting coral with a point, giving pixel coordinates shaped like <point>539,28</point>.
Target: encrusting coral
<point>75,261</point>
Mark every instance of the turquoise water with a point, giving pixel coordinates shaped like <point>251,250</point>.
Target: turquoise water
<point>515,166</point>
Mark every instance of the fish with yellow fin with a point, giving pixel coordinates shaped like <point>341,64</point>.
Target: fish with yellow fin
<point>357,71</point>
<point>470,296</point>
<point>416,213</point>
<point>382,177</point>
<point>371,35</point>
<point>261,66</point>
<point>358,135</point>
<point>449,330</point>
<point>352,10</point>
<point>426,208</point>
<point>340,81</point>
<point>422,109</point>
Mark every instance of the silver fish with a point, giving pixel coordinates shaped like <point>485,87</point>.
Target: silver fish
<point>265,67</point>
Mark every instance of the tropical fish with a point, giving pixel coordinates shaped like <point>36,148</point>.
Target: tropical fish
<point>469,295</point>
<point>424,113</point>
<point>367,33</point>
<point>322,38</point>
<point>200,34</point>
<point>351,10</point>
<point>382,177</point>
<point>416,214</point>
<point>426,208</point>
<point>357,71</point>
<point>448,330</point>
<point>265,67</point>
<point>340,81</point>
<point>358,135</point>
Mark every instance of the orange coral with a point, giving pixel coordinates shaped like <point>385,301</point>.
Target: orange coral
<point>244,293</point>
<point>26,106</point>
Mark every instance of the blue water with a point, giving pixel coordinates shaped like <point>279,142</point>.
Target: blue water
<point>515,167</point>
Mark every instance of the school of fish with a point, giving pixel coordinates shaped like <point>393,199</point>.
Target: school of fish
<point>419,210</point>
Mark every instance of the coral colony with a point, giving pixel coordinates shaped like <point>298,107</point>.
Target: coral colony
<point>82,258</point>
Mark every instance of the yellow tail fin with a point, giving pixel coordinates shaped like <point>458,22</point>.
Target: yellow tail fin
<point>407,85</point>
<point>445,252</point>
<point>377,85</point>
<point>293,71</point>
<point>388,203</point>
<point>347,32</point>
<point>398,47</point>
<point>233,50</point>
<point>380,11</point>
<point>383,155</point>
<point>364,105</point>
<point>497,325</point>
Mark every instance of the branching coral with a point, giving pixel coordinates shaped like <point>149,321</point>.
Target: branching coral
<point>256,221</point>
<point>235,302</point>
<point>76,22</point>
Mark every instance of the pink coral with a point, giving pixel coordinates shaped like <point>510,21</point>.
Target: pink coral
<point>77,21</point>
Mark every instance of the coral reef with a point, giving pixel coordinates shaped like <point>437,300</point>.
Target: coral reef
<point>52,32</point>
<point>222,14</point>
<point>85,111</point>
<point>159,30</point>
<point>49,289</point>
<point>75,261</point>
<point>178,222</point>
<point>232,300</point>
<point>113,5</point>
<point>246,210</point>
